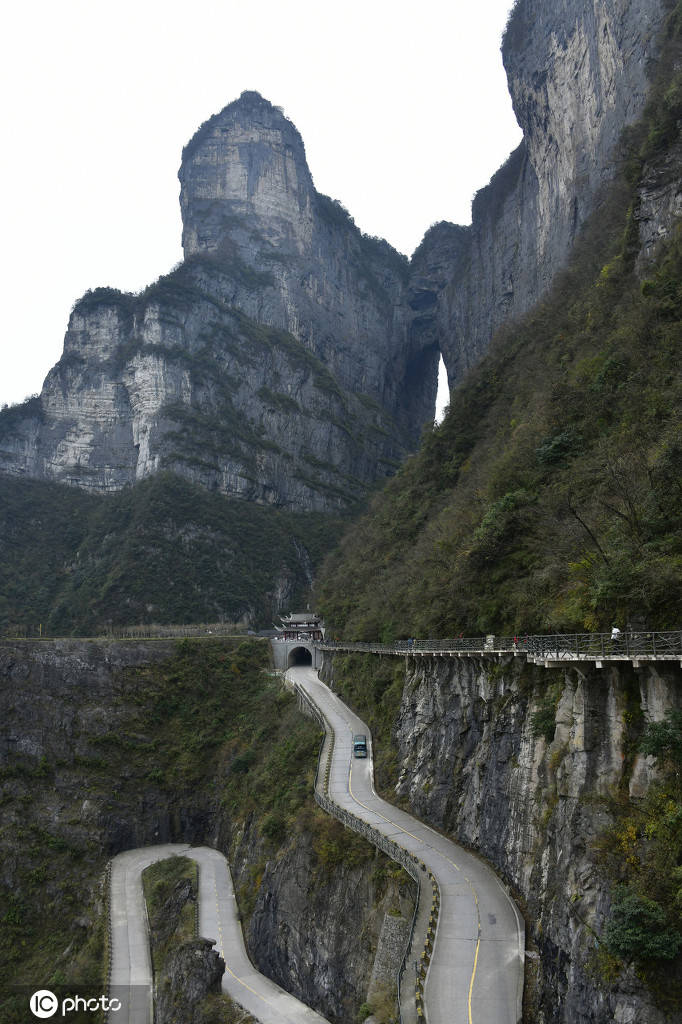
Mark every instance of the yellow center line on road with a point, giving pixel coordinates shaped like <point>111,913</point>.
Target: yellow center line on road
<point>435,850</point>
<point>445,857</point>
<point>259,995</point>
<point>473,973</point>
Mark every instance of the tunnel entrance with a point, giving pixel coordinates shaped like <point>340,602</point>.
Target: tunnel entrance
<point>299,656</point>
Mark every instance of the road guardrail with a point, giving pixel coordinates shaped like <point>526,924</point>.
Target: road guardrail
<point>412,864</point>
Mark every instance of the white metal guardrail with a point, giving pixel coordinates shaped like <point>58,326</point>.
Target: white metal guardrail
<point>416,868</point>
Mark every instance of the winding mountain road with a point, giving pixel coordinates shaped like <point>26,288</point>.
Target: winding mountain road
<point>476,971</point>
<point>131,972</point>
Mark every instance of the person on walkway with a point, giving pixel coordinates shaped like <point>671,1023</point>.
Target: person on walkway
<point>615,639</point>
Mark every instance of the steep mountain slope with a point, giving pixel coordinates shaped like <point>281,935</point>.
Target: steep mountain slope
<point>577,74</point>
<point>269,376</point>
<point>550,496</point>
<point>163,551</point>
<point>273,364</point>
<point>290,361</point>
<point>544,773</point>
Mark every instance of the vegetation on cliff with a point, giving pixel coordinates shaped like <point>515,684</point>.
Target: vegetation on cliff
<point>129,745</point>
<point>171,891</point>
<point>549,498</point>
<point>204,741</point>
<point>186,972</point>
<point>163,551</point>
<point>641,853</point>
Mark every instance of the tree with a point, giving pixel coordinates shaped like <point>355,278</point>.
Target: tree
<point>663,740</point>
<point>638,929</point>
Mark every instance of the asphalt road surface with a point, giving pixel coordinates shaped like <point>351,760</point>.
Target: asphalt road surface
<point>476,971</point>
<point>131,976</point>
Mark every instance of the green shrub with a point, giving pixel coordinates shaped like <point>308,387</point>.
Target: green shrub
<point>638,929</point>
<point>163,551</point>
<point>543,720</point>
<point>663,740</point>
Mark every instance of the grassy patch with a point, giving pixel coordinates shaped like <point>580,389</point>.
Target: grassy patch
<point>171,890</point>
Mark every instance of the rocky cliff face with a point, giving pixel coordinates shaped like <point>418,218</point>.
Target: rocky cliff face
<point>292,360</point>
<point>273,364</point>
<point>338,942</point>
<point>81,780</point>
<point>577,74</point>
<point>473,763</point>
<point>192,972</point>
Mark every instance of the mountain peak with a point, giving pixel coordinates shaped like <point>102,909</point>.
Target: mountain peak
<point>247,160</point>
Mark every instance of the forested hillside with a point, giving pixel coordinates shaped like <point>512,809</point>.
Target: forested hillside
<point>163,551</point>
<point>550,498</point>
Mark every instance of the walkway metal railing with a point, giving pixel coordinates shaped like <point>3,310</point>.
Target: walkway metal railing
<point>651,646</point>
<point>409,861</point>
<point>180,632</point>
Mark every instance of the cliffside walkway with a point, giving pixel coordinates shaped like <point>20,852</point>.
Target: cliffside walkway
<point>131,968</point>
<point>471,969</point>
<point>549,650</point>
<point>541,649</point>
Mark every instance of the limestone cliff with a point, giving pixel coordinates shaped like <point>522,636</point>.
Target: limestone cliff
<point>273,364</point>
<point>473,762</point>
<point>191,973</point>
<point>578,74</point>
<point>332,944</point>
<point>290,359</point>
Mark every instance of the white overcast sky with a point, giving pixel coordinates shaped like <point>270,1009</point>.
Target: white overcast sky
<point>403,109</point>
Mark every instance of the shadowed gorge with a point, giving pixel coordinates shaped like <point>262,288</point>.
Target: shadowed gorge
<point>132,745</point>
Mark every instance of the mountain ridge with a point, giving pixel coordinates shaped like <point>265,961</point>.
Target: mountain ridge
<point>289,361</point>
<point>548,498</point>
<point>578,74</point>
<point>273,364</point>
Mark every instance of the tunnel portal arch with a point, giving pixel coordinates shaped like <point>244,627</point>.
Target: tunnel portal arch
<point>299,655</point>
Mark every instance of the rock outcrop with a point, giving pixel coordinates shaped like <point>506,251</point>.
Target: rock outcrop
<point>474,762</point>
<point>191,972</point>
<point>329,936</point>
<point>577,74</point>
<point>292,360</point>
<point>273,364</point>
